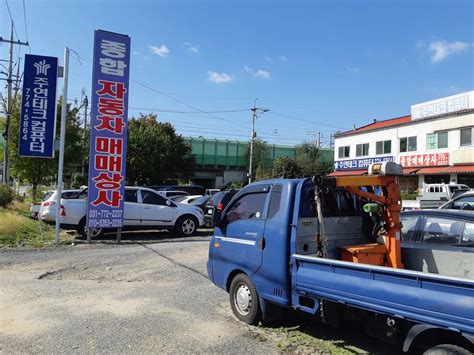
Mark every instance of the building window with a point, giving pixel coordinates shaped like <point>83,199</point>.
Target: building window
<point>362,150</point>
<point>437,140</point>
<point>408,144</point>
<point>466,136</point>
<point>344,152</point>
<point>383,147</point>
<point>443,140</point>
<point>431,141</point>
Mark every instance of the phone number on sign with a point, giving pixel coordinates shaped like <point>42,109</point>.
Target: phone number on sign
<point>105,223</point>
<point>105,214</point>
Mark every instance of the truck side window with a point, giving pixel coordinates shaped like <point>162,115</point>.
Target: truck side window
<point>275,200</point>
<point>247,207</point>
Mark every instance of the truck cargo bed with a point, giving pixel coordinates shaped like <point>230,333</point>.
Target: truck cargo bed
<point>412,295</point>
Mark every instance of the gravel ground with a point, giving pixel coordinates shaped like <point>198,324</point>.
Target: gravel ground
<point>148,294</point>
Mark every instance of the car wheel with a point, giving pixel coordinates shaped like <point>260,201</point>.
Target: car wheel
<point>186,225</point>
<point>244,300</point>
<point>83,229</point>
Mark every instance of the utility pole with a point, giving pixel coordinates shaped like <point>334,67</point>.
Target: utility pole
<point>256,110</point>
<point>6,157</point>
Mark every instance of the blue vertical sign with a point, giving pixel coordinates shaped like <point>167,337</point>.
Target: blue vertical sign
<point>108,140</point>
<point>38,107</point>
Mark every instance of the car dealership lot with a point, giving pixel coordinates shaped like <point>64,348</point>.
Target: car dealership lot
<point>148,294</point>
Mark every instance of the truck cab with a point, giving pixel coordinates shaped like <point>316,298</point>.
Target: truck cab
<point>288,243</point>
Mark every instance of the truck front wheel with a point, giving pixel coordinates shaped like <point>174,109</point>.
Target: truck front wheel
<point>244,300</point>
<point>446,349</point>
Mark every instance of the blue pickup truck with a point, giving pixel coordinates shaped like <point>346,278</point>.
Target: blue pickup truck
<point>265,254</point>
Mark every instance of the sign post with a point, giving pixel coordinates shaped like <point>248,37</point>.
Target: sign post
<point>38,107</point>
<point>62,139</point>
<point>109,122</point>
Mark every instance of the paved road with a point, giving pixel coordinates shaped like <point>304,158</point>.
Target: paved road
<point>145,295</point>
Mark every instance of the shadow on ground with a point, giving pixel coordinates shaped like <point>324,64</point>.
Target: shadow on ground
<point>299,332</point>
<point>145,237</point>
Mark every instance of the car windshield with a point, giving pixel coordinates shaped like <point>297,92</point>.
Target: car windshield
<point>178,198</point>
<point>200,200</point>
<point>214,200</point>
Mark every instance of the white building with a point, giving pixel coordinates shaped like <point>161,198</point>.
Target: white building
<point>434,144</point>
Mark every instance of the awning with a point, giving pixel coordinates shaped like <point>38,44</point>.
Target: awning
<point>348,173</point>
<point>447,170</point>
<point>407,171</point>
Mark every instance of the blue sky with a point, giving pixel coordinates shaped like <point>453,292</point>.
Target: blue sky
<point>317,65</point>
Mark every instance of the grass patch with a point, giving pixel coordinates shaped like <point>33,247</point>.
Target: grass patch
<point>17,229</point>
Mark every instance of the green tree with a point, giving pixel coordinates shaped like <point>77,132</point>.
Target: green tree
<point>259,155</point>
<point>311,161</point>
<point>284,167</point>
<point>155,152</point>
<point>263,173</point>
<point>41,170</point>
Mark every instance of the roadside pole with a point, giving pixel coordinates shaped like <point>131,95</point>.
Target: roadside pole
<point>62,139</point>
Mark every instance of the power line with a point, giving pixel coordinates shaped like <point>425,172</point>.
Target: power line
<point>11,18</point>
<point>26,27</point>
<point>185,104</point>
<point>303,120</point>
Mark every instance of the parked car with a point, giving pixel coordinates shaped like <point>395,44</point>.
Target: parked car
<point>190,189</point>
<point>186,199</point>
<point>145,209</point>
<point>435,195</point>
<point>211,192</point>
<point>47,211</point>
<point>439,241</point>
<point>217,201</point>
<point>172,193</point>
<point>464,201</point>
<point>201,201</point>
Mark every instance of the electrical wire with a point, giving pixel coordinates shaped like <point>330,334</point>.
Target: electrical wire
<point>303,120</point>
<point>185,104</point>
<point>11,18</point>
<point>26,27</point>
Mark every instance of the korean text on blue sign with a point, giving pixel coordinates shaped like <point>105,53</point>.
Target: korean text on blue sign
<point>38,107</point>
<point>108,147</point>
<point>354,164</point>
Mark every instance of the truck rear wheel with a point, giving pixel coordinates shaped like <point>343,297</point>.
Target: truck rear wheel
<point>446,349</point>
<point>244,300</point>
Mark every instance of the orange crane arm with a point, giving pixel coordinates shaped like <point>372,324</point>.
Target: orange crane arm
<point>390,201</point>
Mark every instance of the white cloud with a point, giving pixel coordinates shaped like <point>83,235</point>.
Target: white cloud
<point>282,58</point>
<point>260,73</point>
<point>193,48</point>
<point>440,50</point>
<point>263,74</point>
<point>219,78</point>
<point>162,50</point>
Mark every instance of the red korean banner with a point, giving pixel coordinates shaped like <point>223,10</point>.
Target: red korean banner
<point>108,139</point>
<point>434,159</point>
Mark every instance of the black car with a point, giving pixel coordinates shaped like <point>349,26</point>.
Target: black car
<point>439,241</point>
<point>201,201</point>
<point>217,201</point>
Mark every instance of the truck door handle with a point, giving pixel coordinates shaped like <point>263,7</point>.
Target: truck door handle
<point>261,244</point>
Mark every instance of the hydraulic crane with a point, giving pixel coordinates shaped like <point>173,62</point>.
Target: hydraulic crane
<point>386,204</point>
